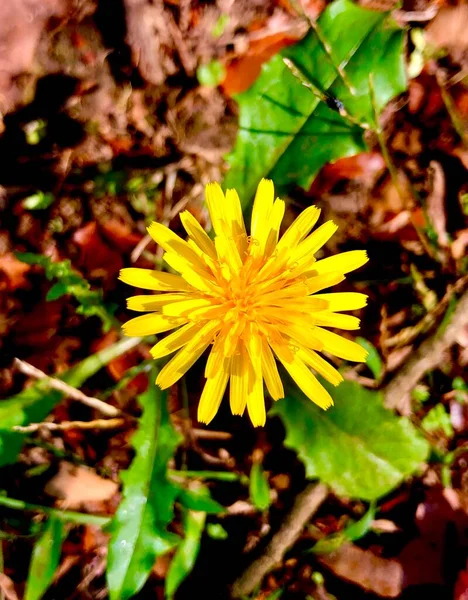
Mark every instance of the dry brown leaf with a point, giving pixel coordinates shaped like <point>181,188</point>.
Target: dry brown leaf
<point>7,588</point>
<point>381,576</point>
<point>76,486</point>
<point>458,247</point>
<point>15,272</point>
<point>96,257</point>
<point>436,204</point>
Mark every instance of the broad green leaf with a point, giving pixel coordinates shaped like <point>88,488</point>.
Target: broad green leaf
<point>139,529</point>
<point>45,559</point>
<point>357,447</point>
<point>285,131</point>
<point>437,419</point>
<point>259,488</point>
<point>187,551</point>
<point>33,404</point>
<point>90,301</point>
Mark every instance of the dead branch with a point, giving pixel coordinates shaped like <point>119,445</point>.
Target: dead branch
<point>68,390</point>
<point>426,358</point>
<point>305,506</point>
<point>67,425</point>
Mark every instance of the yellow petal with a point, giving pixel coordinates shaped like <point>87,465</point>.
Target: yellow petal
<point>148,303</point>
<point>240,365</point>
<point>175,340</point>
<point>213,394</point>
<point>185,308</point>
<point>233,213</point>
<point>315,240</point>
<point>297,231</point>
<point>317,282</point>
<point>270,373</point>
<point>320,365</point>
<point>215,199</point>
<point>338,301</point>
<point>147,279</point>
<point>327,318</point>
<point>339,346</point>
<point>185,358</point>
<point>275,219</point>
<point>307,382</point>
<point>196,232</point>
<point>151,324</point>
<point>262,207</point>
<point>255,397</point>
<point>342,263</point>
<point>197,280</point>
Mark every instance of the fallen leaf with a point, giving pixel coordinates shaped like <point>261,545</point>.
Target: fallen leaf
<point>436,204</point>
<point>7,588</point>
<point>96,257</point>
<point>120,235</point>
<point>14,271</point>
<point>76,486</point>
<point>461,586</point>
<point>442,522</point>
<point>458,246</point>
<point>381,576</point>
<point>118,367</point>
<point>278,33</point>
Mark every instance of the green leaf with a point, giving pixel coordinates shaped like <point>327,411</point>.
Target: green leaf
<point>33,404</point>
<point>38,201</point>
<point>286,131</point>
<point>374,362</point>
<point>437,419</point>
<point>90,301</point>
<point>216,531</point>
<point>45,559</point>
<point>138,530</point>
<point>211,74</point>
<point>199,499</point>
<point>357,447</point>
<point>187,551</point>
<point>351,533</point>
<point>259,488</point>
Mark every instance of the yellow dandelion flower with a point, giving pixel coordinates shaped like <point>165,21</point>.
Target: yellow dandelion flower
<point>254,298</point>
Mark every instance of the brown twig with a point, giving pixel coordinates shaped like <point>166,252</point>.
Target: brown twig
<point>427,357</point>
<point>66,425</point>
<point>305,506</point>
<point>61,386</point>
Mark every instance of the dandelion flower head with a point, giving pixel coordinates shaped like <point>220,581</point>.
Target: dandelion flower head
<point>254,297</point>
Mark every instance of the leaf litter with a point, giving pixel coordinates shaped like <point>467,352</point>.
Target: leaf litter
<point>103,115</point>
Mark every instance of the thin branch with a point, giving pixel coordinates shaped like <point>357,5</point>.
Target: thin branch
<point>305,506</point>
<point>426,358</point>
<point>61,386</point>
<point>67,425</point>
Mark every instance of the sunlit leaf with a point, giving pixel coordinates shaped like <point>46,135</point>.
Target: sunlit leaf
<point>187,551</point>
<point>438,420</point>
<point>45,559</point>
<point>69,281</point>
<point>357,447</point>
<point>288,133</point>
<point>373,361</point>
<point>259,488</point>
<point>139,528</point>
